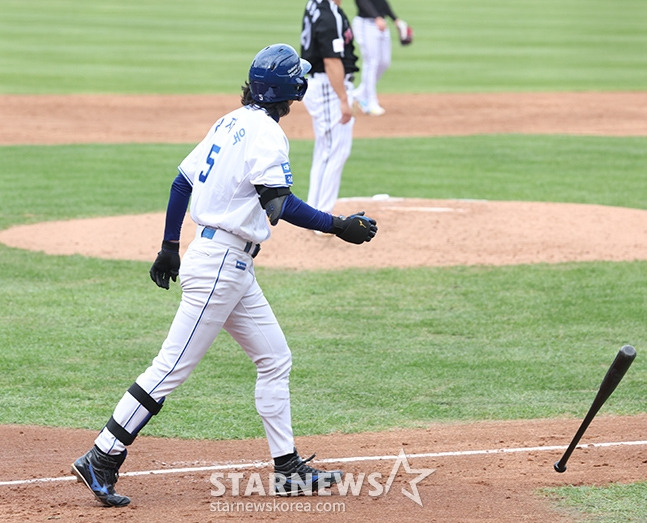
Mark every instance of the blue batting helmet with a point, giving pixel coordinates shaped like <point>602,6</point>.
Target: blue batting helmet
<point>278,74</point>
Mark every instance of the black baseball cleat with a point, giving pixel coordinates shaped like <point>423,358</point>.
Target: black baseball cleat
<point>296,478</point>
<point>100,471</point>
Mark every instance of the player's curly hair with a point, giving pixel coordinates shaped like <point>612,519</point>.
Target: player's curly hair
<point>279,109</point>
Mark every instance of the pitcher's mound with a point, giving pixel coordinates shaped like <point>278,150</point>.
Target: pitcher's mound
<point>412,233</point>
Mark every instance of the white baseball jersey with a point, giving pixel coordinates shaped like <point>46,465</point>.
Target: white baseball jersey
<point>245,148</point>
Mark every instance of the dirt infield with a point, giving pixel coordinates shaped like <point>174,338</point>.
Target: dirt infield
<point>457,232</point>
<point>484,471</point>
<point>58,119</point>
<point>467,486</point>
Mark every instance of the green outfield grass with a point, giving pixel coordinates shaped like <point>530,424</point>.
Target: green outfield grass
<point>424,344</point>
<point>199,46</point>
<point>47,183</point>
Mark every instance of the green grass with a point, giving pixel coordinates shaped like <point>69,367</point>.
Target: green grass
<point>196,46</point>
<point>423,344</point>
<point>47,183</point>
<point>613,504</point>
<point>530,168</point>
<point>387,348</point>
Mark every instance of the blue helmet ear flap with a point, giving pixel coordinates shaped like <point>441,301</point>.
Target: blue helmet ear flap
<point>277,74</point>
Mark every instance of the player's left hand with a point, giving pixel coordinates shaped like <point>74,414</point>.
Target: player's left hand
<point>166,265</point>
<point>355,228</point>
<point>405,33</point>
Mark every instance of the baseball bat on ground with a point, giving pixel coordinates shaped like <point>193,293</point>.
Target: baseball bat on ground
<point>613,376</point>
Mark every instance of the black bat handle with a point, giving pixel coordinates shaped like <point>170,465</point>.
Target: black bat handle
<point>613,376</point>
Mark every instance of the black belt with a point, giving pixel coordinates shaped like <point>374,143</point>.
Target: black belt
<point>227,237</point>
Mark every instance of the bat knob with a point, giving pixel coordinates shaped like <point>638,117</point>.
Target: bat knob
<point>628,351</point>
<point>559,467</point>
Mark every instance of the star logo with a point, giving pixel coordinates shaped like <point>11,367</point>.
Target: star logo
<point>421,474</point>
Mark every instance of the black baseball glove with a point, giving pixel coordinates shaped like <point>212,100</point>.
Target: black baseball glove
<point>166,265</point>
<point>355,228</point>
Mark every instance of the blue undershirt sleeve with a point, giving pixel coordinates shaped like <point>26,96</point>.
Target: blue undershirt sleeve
<point>178,203</point>
<point>299,213</point>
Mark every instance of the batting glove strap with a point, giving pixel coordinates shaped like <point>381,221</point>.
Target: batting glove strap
<point>171,246</point>
<point>356,228</point>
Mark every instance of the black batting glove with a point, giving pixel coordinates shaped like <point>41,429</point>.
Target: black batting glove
<point>166,265</point>
<point>355,228</point>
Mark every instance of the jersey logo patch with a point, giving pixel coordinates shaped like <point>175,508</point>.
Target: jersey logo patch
<point>241,265</point>
<point>338,45</point>
<point>288,172</point>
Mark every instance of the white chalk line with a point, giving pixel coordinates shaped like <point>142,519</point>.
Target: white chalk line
<point>423,209</point>
<point>238,466</point>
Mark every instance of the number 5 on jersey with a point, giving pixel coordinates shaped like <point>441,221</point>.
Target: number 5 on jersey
<point>215,149</point>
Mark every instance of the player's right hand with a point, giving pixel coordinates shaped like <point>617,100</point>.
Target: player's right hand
<point>167,264</point>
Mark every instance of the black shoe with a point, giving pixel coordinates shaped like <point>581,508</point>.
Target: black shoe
<point>100,471</point>
<point>296,477</point>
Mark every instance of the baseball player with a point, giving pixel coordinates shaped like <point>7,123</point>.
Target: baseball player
<point>327,43</point>
<point>238,181</point>
<point>374,39</point>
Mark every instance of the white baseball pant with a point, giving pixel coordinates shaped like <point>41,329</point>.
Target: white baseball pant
<point>219,290</point>
<point>375,48</point>
<point>333,140</point>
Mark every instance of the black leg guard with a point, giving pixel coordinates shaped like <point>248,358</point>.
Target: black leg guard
<point>147,402</point>
<point>145,399</point>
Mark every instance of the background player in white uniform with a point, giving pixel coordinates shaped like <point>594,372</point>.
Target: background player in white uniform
<point>327,43</point>
<point>236,178</point>
<point>374,39</point>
